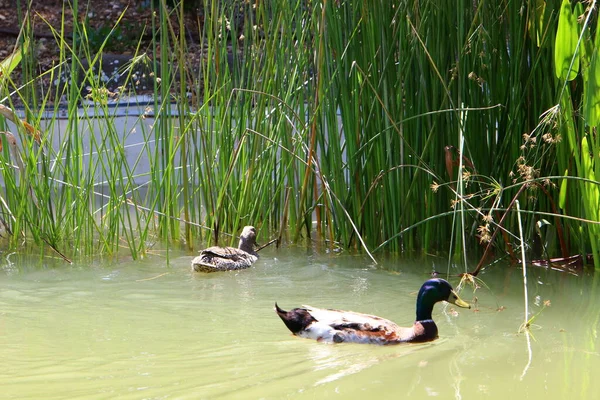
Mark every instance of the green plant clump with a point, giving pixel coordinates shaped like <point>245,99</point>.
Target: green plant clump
<point>384,126</point>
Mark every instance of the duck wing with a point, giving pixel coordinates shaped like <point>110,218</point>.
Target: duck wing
<point>222,259</point>
<point>335,317</point>
<point>230,253</point>
<point>347,326</point>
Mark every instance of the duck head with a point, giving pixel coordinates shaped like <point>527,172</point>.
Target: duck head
<point>248,239</point>
<point>431,292</point>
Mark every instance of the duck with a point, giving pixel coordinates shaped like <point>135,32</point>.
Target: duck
<point>337,326</point>
<point>215,258</point>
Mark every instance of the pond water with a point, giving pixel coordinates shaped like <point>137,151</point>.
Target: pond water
<point>148,330</point>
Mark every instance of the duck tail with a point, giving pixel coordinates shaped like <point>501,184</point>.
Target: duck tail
<point>279,311</point>
<point>296,320</point>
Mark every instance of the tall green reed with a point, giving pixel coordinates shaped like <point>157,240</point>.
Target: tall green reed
<point>394,127</point>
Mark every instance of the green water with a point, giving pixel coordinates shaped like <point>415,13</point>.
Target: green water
<point>145,330</point>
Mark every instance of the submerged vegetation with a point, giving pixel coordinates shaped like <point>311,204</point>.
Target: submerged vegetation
<point>396,126</point>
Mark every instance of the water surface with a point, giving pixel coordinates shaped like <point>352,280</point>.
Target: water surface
<point>148,330</point>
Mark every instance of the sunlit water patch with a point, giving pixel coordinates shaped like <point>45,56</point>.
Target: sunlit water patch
<point>148,330</point>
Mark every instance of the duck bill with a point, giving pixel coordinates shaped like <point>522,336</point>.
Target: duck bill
<point>454,299</point>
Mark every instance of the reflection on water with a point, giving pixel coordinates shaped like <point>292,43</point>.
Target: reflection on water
<point>137,330</point>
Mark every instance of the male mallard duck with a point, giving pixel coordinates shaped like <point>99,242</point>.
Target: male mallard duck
<point>217,258</point>
<point>337,326</point>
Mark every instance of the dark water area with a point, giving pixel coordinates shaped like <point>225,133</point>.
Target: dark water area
<point>149,330</point>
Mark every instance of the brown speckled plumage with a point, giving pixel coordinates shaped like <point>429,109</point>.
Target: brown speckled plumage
<point>216,258</point>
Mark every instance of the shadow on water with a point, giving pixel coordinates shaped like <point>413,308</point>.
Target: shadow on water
<point>146,329</point>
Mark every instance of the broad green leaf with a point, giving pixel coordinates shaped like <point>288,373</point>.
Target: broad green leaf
<point>562,195</point>
<point>591,94</point>
<point>10,63</point>
<point>586,47</point>
<point>567,123</point>
<point>592,193</point>
<point>566,44</point>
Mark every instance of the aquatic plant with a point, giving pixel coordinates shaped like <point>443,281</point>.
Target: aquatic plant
<point>385,127</point>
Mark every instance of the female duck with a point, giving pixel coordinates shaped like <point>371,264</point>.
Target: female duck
<point>216,258</point>
<point>338,326</point>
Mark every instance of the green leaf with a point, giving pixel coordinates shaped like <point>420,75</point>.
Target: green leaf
<point>567,121</point>
<point>537,23</point>
<point>591,94</point>
<point>12,61</point>
<point>562,195</point>
<point>566,44</point>
<point>592,193</point>
<point>586,47</point>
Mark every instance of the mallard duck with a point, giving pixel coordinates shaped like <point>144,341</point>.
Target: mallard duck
<point>336,326</point>
<point>217,258</point>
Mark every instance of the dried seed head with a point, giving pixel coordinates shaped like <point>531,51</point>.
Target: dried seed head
<point>466,175</point>
<point>484,233</point>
